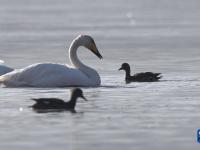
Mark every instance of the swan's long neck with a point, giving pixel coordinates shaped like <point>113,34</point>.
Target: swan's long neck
<point>73,55</point>
<point>91,73</point>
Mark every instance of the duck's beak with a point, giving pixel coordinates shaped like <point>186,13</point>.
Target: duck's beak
<point>120,68</point>
<point>83,97</point>
<point>94,49</point>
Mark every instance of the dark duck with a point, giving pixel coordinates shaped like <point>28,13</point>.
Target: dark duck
<point>58,104</point>
<point>139,77</point>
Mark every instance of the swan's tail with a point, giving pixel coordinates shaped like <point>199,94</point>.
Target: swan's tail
<point>9,81</point>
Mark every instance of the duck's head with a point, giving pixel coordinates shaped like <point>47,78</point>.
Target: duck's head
<point>125,66</point>
<point>77,92</point>
<point>88,42</point>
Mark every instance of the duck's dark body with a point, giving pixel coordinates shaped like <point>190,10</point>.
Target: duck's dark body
<point>143,77</point>
<point>52,103</point>
<point>139,77</point>
<point>58,104</point>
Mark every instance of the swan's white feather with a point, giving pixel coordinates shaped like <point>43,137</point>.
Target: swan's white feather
<point>57,75</point>
<point>46,75</point>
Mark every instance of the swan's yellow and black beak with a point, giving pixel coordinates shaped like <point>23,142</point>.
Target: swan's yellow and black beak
<point>94,49</point>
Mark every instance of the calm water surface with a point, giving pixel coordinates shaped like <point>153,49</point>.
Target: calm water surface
<point>152,36</point>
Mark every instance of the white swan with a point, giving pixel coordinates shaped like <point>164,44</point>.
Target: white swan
<point>58,75</point>
<point>4,69</point>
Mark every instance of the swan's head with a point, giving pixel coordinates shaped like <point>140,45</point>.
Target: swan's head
<point>88,42</point>
<point>125,66</point>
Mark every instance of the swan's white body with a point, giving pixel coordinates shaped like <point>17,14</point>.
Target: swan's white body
<point>56,75</point>
<point>4,69</point>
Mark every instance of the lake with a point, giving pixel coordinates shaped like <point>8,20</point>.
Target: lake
<point>159,36</point>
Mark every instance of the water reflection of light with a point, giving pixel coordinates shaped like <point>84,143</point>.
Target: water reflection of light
<point>129,14</point>
<point>21,109</point>
<point>1,61</point>
<point>132,22</point>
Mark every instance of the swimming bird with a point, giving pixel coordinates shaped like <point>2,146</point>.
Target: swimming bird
<point>58,75</point>
<point>4,69</point>
<point>139,77</point>
<point>58,104</point>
